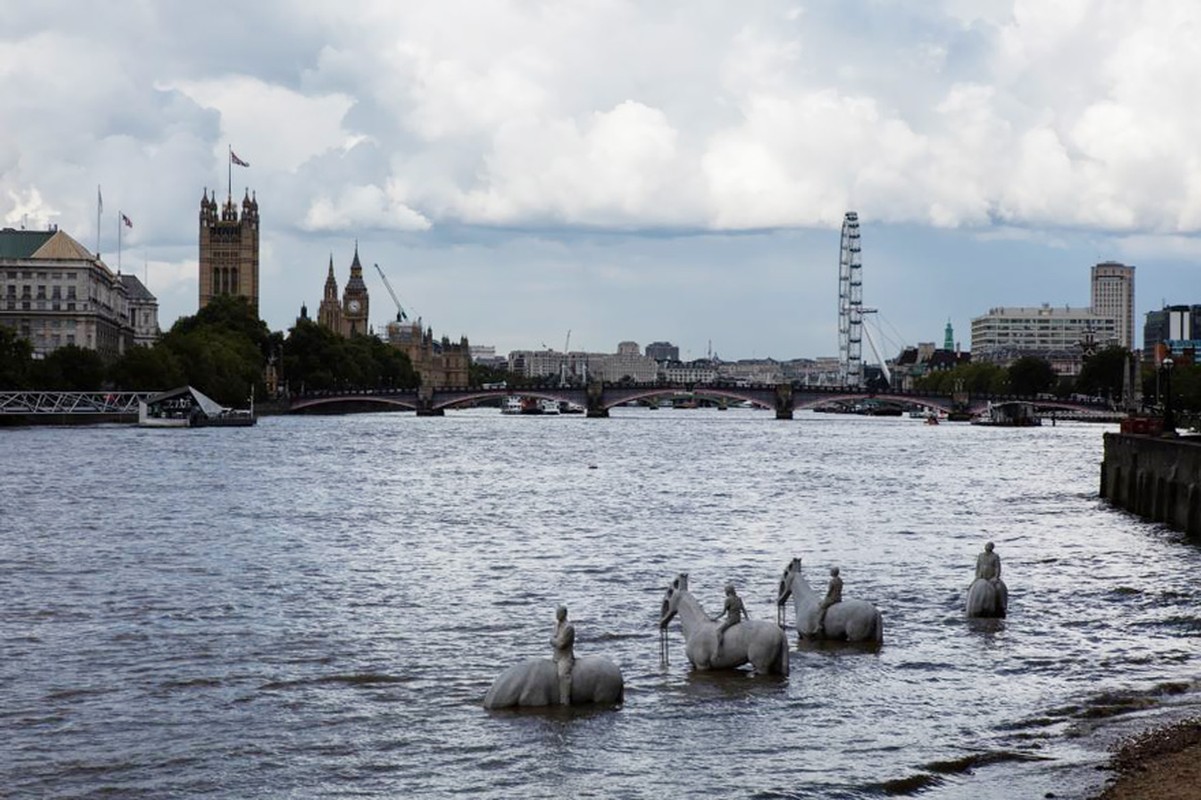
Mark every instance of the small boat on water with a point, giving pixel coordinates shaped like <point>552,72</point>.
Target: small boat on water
<point>512,405</point>
<point>188,407</point>
<point>1014,414</point>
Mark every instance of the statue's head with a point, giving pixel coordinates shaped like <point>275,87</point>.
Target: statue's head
<point>834,571</point>
<point>561,613</point>
<point>729,588</point>
<point>988,547</point>
<point>785,590</point>
<point>671,600</point>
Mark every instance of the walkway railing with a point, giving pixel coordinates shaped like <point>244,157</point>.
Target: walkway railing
<point>83,403</point>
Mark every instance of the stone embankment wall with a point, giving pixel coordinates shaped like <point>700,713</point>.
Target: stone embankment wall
<point>1157,478</point>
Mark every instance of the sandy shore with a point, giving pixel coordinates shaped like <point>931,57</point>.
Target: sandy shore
<point>1160,764</point>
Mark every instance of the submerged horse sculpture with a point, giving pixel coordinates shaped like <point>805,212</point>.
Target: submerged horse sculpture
<point>535,682</point>
<point>545,681</point>
<point>761,643</point>
<point>987,597</point>
<point>850,620</point>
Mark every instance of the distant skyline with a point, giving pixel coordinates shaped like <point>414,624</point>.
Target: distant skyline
<point>674,171</point>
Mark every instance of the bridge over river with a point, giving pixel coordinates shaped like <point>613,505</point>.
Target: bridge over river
<point>599,398</point>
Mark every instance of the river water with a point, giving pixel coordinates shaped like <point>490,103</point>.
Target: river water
<point>317,605</point>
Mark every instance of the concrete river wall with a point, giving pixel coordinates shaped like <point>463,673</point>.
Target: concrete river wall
<point>1156,478</point>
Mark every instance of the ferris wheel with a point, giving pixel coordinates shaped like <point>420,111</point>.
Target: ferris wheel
<point>850,304</point>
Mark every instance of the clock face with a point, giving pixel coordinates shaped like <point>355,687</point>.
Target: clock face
<point>354,306</point>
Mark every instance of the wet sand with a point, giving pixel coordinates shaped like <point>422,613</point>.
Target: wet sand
<point>1160,764</point>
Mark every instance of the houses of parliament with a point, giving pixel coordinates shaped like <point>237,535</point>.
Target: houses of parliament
<point>229,264</point>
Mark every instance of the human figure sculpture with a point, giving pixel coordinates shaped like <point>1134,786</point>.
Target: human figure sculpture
<point>732,610</point>
<point>833,595</point>
<point>988,564</point>
<point>988,596</point>
<point>563,643</point>
<point>561,680</point>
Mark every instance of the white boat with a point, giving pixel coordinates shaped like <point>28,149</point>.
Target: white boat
<point>512,405</point>
<point>187,407</point>
<point>549,406</point>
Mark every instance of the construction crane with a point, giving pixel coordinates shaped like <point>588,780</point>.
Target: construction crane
<point>400,312</point>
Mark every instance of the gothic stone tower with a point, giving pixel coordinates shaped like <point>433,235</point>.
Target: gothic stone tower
<point>229,250</point>
<point>329,313</point>
<point>354,299</point>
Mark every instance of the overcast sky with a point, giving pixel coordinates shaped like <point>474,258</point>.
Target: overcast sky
<point>671,170</point>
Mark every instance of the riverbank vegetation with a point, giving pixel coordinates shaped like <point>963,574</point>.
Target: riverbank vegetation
<point>224,350</point>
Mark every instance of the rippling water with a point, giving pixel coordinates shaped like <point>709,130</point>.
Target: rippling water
<point>316,606</point>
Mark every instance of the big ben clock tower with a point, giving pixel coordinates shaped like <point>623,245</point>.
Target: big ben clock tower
<point>355,300</point>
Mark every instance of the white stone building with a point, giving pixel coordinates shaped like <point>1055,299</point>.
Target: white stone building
<point>54,292</point>
<point>1005,334</point>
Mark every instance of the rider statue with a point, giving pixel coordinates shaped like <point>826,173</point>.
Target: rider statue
<point>733,610</point>
<point>563,642</point>
<point>833,595</point>
<point>988,564</point>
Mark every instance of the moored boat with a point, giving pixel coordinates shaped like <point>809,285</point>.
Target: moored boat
<point>188,407</point>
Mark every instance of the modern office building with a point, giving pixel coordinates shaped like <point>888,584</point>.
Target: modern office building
<point>663,351</point>
<point>229,249</point>
<point>1056,334</point>
<point>1113,296</point>
<point>1177,327</point>
<point>54,292</point>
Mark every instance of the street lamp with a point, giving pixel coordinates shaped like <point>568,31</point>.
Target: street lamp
<point>1169,419</point>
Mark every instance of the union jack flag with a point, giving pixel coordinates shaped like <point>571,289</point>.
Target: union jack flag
<point>128,222</point>
<point>233,157</point>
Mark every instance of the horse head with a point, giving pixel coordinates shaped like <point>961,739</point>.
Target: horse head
<point>671,600</point>
<point>791,571</point>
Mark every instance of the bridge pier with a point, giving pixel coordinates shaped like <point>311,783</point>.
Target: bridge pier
<point>784,403</point>
<point>425,403</point>
<point>595,408</point>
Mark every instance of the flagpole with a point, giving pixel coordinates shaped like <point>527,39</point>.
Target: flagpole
<point>119,217</point>
<point>99,208</point>
<point>229,168</point>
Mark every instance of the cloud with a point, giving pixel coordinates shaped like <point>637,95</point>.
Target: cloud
<point>646,123</point>
<point>359,207</point>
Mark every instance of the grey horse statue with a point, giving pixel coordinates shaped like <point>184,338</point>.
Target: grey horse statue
<point>535,682</point>
<point>849,620</point>
<point>758,642</point>
<point>987,597</point>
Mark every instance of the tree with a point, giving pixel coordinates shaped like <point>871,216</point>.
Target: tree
<point>69,369</point>
<point>222,349</point>
<point>147,369</point>
<point>1102,373</point>
<point>1030,375</point>
<point>317,359</point>
<point>976,378</point>
<point>16,357</point>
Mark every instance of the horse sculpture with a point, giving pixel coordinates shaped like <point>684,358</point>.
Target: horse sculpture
<point>987,597</point>
<point>850,620</point>
<point>760,643</point>
<point>535,682</point>
<point>543,681</point>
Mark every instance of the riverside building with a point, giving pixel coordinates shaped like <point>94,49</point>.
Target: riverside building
<point>1113,296</point>
<point>1056,334</point>
<point>55,292</point>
